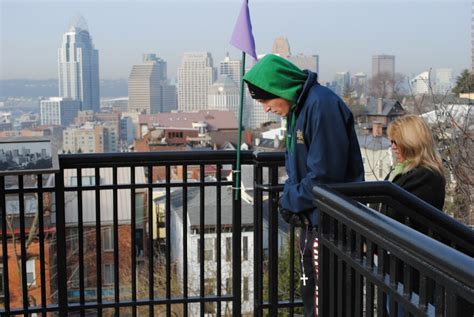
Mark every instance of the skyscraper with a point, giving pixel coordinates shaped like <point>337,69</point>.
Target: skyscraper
<point>231,68</point>
<point>78,63</point>
<point>224,95</point>
<point>147,86</point>
<point>195,76</point>
<point>383,64</point>
<point>342,82</point>
<point>58,111</point>
<point>304,61</point>
<point>444,81</point>
<point>359,83</point>
<point>281,47</point>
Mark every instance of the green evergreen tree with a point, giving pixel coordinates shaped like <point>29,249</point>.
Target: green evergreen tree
<point>464,83</point>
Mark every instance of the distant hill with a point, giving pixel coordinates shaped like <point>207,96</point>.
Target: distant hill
<point>49,88</point>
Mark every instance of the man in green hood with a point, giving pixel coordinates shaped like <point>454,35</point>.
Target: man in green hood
<point>321,148</point>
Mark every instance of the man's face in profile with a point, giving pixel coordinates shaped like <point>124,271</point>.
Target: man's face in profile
<point>277,106</point>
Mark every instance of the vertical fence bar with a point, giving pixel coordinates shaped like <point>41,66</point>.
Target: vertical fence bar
<point>423,293</point>
<point>98,241</point>
<point>6,284</point>
<point>133,249</point>
<point>381,274</point>
<point>349,275</point>
<point>80,233</point>
<point>369,299</point>
<point>273,243</point>
<point>168,242</point>
<point>340,272</point>
<point>24,285</point>
<point>151,253</point>
<point>185,238</point>
<point>323,262</point>
<point>393,284</point>
<point>258,235</point>
<point>358,305</point>
<point>39,182</point>
<point>439,300</point>
<point>332,300</point>
<point>219,240</point>
<point>116,243</point>
<point>202,245</point>
<point>236,248</point>
<point>292,269</point>
<point>61,244</point>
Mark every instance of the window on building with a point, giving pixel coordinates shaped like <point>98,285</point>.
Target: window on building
<point>107,239</point>
<point>31,272</point>
<point>245,248</point>
<point>245,289</point>
<point>74,280</point>
<point>74,240</point>
<point>228,285</point>
<point>208,249</point>
<point>108,274</point>
<point>228,249</point>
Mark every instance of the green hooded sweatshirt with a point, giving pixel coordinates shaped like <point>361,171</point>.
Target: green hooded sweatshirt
<point>277,76</point>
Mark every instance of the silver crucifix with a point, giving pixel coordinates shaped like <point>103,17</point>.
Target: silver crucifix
<point>304,278</point>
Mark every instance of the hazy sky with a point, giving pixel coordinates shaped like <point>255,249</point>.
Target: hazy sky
<point>422,34</point>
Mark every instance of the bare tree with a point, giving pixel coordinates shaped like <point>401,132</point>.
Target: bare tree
<point>386,85</point>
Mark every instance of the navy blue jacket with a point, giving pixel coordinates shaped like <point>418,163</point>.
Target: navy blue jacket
<point>326,148</point>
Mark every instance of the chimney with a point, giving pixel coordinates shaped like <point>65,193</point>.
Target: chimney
<point>379,105</point>
<point>276,142</point>
<point>249,137</point>
<point>376,129</point>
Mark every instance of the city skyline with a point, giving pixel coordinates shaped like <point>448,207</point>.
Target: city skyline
<point>345,35</point>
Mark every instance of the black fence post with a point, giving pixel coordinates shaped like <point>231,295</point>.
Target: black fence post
<point>236,250</point>
<point>273,243</point>
<point>61,244</point>
<point>236,260</point>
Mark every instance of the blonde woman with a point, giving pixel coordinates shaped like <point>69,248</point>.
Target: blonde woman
<point>418,167</point>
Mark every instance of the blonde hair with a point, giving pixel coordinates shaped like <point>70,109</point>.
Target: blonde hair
<point>415,142</point>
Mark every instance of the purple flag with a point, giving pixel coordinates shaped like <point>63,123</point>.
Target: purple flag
<point>242,37</point>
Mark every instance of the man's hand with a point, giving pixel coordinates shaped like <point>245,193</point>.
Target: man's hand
<point>290,217</point>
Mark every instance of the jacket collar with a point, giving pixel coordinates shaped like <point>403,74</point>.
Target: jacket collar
<point>310,82</point>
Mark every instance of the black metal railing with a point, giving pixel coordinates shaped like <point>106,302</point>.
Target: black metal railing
<point>77,274</point>
<point>373,265</point>
<point>162,234</point>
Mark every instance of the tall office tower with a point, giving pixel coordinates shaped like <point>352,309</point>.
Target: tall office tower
<point>170,101</point>
<point>58,111</point>
<point>195,76</point>
<point>444,81</point>
<point>231,68</point>
<point>304,61</point>
<point>281,47</point>
<point>359,83</point>
<point>145,83</point>
<point>78,63</point>
<point>383,64</point>
<point>342,82</point>
<point>224,95</point>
